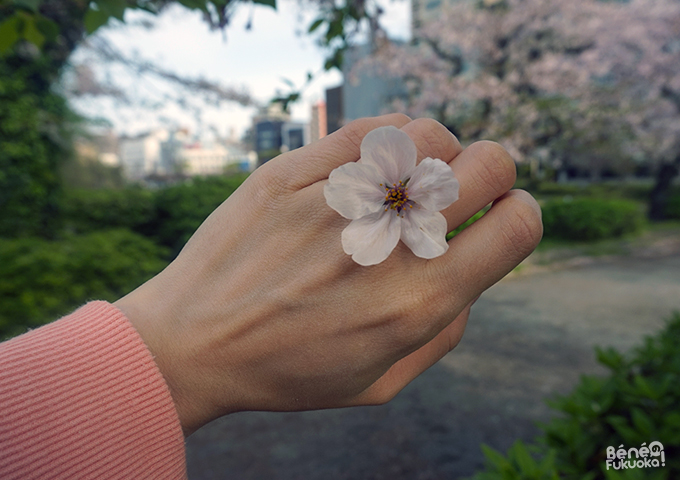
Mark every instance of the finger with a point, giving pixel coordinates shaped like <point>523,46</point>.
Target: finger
<point>432,139</point>
<point>408,368</point>
<point>489,249</point>
<point>316,161</point>
<point>485,172</point>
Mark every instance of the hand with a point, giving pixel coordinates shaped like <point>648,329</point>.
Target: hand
<point>263,310</point>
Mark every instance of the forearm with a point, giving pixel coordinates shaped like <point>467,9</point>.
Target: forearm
<point>83,398</point>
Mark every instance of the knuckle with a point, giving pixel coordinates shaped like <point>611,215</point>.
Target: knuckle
<point>399,118</point>
<point>498,169</point>
<point>435,137</point>
<point>354,132</point>
<point>524,228</point>
<point>271,181</point>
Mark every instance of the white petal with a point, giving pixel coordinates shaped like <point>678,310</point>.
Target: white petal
<point>371,239</point>
<point>353,190</point>
<point>390,150</point>
<point>424,232</point>
<point>433,185</point>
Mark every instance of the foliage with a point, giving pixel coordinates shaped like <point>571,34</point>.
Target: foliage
<point>90,210</point>
<point>637,403</point>
<point>519,464</point>
<point>110,245</point>
<point>168,216</point>
<point>42,280</point>
<point>638,191</point>
<point>28,20</point>
<point>180,209</point>
<point>34,141</point>
<point>673,207</point>
<point>587,219</point>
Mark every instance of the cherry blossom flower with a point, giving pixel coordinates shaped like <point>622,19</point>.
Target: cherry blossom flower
<point>389,198</point>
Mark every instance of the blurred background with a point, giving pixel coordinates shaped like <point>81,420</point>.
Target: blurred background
<point>124,123</point>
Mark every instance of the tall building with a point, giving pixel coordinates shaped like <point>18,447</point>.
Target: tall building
<point>363,93</point>
<point>318,124</point>
<point>274,133</point>
<point>367,93</point>
<point>334,111</point>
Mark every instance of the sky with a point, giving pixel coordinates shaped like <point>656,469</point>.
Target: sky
<point>256,60</point>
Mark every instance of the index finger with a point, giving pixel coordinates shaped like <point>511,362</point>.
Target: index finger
<point>325,155</point>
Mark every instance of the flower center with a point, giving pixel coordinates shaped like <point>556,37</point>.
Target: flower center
<point>396,197</point>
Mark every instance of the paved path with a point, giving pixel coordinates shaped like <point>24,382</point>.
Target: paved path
<point>528,338</point>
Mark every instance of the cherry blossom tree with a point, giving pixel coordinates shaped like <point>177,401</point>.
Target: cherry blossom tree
<point>584,83</point>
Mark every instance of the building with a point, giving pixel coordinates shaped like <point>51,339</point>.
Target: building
<point>364,93</point>
<point>213,159</point>
<point>334,112</point>
<point>274,133</point>
<point>162,154</point>
<point>318,126</point>
<point>185,156</point>
<point>294,135</point>
<point>140,156</point>
<point>196,160</point>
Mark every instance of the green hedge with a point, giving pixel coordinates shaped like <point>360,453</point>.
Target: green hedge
<point>638,403</point>
<point>91,210</point>
<point>588,219</point>
<point>168,216</point>
<point>42,280</point>
<point>673,207</point>
<point>180,209</point>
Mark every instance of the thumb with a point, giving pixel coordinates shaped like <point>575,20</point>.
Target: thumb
<point>408,368</point>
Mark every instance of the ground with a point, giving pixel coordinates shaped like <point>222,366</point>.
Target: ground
<point>529,337</point>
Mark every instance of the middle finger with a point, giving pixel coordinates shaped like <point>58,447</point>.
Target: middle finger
<point>484,170</point>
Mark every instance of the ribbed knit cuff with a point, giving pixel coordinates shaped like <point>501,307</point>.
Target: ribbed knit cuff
<point>82,398</point>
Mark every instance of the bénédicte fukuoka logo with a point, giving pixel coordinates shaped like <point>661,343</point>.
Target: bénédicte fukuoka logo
<point>643,457</point>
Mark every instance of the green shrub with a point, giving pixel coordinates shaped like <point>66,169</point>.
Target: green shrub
<point>90,210</point>
<point>588,219</point>
<point>42,280</point>
<point>672,210</point>
<point>639,402</point>
<point>553,189</point>
<point>169,216</point>
<point>519,464</point>
<point>180,209</point>
<point>35,134</point>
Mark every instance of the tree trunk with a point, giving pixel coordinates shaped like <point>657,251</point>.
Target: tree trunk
<point>660,193</point>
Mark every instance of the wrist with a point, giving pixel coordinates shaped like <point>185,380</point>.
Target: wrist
<point>150,312</point>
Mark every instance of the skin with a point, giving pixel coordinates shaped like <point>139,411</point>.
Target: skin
<point>263,310</point>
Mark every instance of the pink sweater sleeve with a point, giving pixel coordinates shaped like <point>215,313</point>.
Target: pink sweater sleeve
<point>82,398</point>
